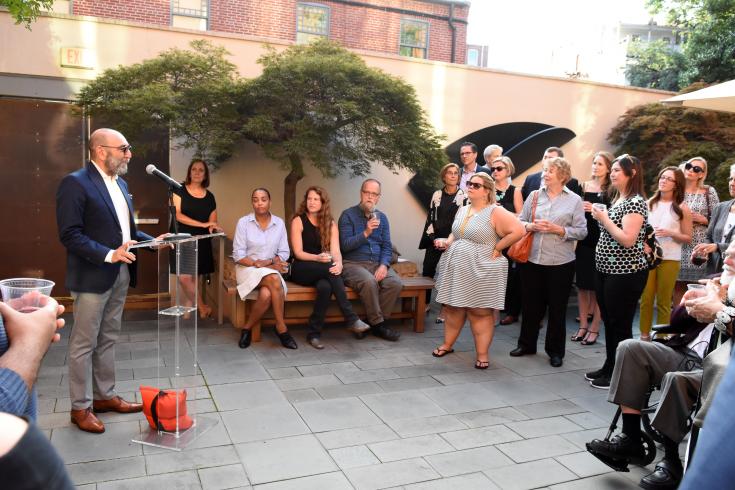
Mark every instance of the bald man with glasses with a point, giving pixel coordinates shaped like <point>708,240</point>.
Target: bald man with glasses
<point>94,213</point>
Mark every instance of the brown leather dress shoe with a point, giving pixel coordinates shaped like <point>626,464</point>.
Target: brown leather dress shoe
<point>86,421</point>
<point>116,404</point>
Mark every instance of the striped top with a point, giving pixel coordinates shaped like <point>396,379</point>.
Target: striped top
<point>14,396</point>
<point>468,276</point>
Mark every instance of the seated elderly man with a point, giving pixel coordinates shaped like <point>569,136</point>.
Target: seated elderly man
<point>677,365</point>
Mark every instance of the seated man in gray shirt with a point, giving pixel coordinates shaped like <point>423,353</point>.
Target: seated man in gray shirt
<point>364,237</point>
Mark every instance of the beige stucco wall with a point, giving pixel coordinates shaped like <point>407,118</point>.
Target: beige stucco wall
<point>457,99</point>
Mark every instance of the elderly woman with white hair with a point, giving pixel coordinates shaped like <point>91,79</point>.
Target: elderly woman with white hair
<point>555,215</point>
<point>491,153</point>
<point>701,200</point>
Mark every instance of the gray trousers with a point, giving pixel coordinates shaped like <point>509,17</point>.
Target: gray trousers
<point>379,298</point>
<point>638,365</point>
<point>97,322</point>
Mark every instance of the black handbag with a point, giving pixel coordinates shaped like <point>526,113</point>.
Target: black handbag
<point>656,254</point>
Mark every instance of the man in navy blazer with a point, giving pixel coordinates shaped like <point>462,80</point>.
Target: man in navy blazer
<point>94,213</point>
<point>533,181</point>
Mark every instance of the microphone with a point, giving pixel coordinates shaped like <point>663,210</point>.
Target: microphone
<point>152,170</point>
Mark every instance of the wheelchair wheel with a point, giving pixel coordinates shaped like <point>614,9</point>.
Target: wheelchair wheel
<point>646,415</point>
<point>650,448</point>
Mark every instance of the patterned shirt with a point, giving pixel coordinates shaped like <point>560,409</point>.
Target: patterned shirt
<point>610,256</point>
<point>14,395</point>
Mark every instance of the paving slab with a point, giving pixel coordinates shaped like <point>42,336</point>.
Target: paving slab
<point>284,458</point>
<point>340,413</point>
<point>534,474</point>
<point>388,475</point>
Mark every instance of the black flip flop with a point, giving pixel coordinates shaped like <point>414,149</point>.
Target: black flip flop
<point>439,352</point>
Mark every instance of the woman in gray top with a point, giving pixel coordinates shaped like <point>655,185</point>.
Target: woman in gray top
<point>558,222</point>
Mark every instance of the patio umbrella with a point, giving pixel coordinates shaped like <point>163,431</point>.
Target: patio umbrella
<point>720,97</point>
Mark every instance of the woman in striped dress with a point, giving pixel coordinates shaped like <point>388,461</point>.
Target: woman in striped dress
<point>473,258</point>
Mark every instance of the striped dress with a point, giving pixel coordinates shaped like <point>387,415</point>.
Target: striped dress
<point>468,276</point>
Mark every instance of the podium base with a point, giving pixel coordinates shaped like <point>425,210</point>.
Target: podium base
<point>173,441</point>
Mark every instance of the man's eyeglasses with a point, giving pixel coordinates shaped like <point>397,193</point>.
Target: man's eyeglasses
<point>474,185</point>
<point>693,168</point>
<point>371,194</point>
<point>497,169</point>
<point>123,148</point>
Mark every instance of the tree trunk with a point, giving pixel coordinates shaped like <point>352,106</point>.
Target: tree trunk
<point>289,188</point>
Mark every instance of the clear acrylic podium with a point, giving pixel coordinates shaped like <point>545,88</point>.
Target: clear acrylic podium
<point>177,367</point>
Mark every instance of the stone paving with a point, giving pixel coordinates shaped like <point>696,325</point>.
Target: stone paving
<point>363,414</point>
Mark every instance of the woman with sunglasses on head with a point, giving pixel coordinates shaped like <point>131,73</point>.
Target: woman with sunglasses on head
<point>672,222</point>
<point>701,199</point>
<point>594,191</point>
<point>508,196</point>
<point>480,232</point>
<point>445,203</point>
<point>620,260</point>
<point>557,222</point>
<point>721,230</point>
<point>318,263</point>
<point>196,214</point>
<point>260,250</point>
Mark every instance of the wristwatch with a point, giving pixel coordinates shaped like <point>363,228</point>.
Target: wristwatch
<point>724,317</point>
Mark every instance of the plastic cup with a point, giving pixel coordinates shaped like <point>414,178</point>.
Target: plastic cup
<point>599,206</point>
<point>694,286</point>
<point>24,293</point>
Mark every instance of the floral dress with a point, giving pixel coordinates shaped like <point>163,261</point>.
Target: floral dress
<point>702,203</point>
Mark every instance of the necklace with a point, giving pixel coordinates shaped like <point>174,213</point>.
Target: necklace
<point>500,194</point>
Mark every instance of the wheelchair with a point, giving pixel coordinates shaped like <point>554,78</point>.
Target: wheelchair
<point>649,435</point>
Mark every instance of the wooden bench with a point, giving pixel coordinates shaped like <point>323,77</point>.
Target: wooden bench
<point>413,304</point>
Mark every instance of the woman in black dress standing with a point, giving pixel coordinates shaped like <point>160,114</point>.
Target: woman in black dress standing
<point>508,196</point>
<point>318,263</point>
<point>594,191</point>
<point>196,213</point>
<point>444,205</point>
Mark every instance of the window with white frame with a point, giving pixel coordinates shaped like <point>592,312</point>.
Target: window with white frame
<point>414,38</point>
<point>312,22</point>
<point>190,14</point>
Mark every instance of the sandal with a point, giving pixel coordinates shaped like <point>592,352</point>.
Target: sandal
<point>439,352</point>
<point>576,337</point>
<point>482,364</point>
<point>587,340</point>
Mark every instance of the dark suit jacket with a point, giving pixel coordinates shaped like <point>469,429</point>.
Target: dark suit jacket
<point>717,221</point>
<point>478,169</point>
<point>89,229</point>
<point>533,183</point>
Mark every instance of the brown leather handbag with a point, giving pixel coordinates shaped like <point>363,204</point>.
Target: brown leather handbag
<point>521,249</point>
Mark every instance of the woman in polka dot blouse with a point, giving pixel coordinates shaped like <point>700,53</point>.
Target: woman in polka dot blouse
<point>620,261</point>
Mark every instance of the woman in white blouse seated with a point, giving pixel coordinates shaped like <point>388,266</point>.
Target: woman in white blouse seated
<point>260,250</point>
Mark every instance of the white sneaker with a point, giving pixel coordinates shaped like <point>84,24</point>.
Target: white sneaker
<point>359,327</point>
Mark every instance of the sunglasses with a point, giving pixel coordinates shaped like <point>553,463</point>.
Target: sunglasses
<point>123,148</point>
<point>474,185</point>
<point>693,168</point>
<point>497,169</point>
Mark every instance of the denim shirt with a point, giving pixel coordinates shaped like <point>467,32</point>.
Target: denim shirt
<point>375,248</point>
<point>14,395</point>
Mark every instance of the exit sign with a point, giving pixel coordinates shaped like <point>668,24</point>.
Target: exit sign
<point>78,58</point>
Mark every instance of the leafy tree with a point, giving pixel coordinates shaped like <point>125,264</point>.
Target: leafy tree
<point>654,65</point>
<point>190,92</point>
<point>660,136</point>
<point>321,104</point>
<point>710,48</point>
<point>26,11</point>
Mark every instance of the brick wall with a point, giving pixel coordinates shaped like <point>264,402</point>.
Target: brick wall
<point>354,26</point>
<point>145,11</point>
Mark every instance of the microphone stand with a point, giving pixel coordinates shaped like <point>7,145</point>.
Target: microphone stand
<point>172,217</point>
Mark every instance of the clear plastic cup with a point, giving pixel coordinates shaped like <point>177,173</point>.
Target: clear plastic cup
<point>24,293</point>
<point>600,206</point>
<point>695,286</point>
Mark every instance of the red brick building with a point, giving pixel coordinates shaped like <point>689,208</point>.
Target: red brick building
<point>431,29</point>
